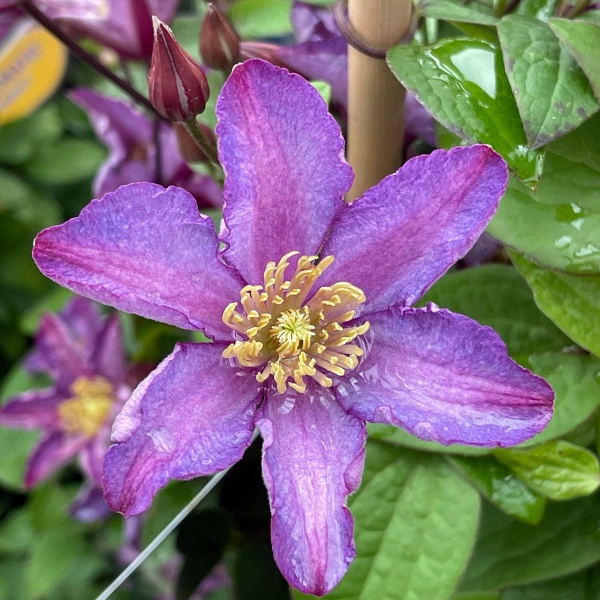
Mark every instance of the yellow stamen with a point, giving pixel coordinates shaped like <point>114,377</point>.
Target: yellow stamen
<point>289,338</point>
<point>87,410</point>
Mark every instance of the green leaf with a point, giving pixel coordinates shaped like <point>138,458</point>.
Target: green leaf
<point>452,11</point>
<point>462,83</point>
<point>575,379</point>
<point>574,587</point>
<point>397,436</point>
<point>67,161</point>
<point>496,295</point>
<point>52,555</point>
<point>557,470</point>
<point>498,485</point>
<point>50,303</point>
<point>26,204</point>
<point>20,139</point>
<point>583,41</point>
<point>16,533</point>
<point>552,93</point>
<point>512,553</point>
<point>573,303</point>
<point>540,9</point>
<point>416,520</point>
<point>565,210</point>
<point>567,237</point>
<point>262,18</point>
<point>15,447</point>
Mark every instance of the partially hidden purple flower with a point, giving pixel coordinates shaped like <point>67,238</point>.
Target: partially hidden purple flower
<point>126,25</point>
<point>84,354</point>
<point>129,136</point>
<point>308,301</point>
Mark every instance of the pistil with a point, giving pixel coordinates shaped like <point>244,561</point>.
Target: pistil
<point>89,407</point>
<point>290,337</point>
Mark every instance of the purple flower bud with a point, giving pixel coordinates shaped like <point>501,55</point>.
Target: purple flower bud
<point>177,85</point>
<point>219,42</point>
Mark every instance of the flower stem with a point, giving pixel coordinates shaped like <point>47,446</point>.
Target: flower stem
<point>83,55</point>
<point>202,141</point>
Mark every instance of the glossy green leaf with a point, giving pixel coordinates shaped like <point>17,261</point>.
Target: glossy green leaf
<point>66,161</point>
<point>552,93</point>
<point>496,295</point>
<point>540,9</point>
<point>557,470</point>
<point>573,303</point>
<point>462,83</point>
<point>567,237</point>
<point>575,379</point>
<point>583,41</point>
<point>453,11</point>
<point>498,485</point>
<point>510,553</point>
<point>565,210</point>
<point>262,18</point>
<point>416,521</point>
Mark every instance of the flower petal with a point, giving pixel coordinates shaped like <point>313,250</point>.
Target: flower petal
<point>146,250</point>
<point>89,505</point>
<point>405,232</point>
<point>313,458</point>
<point>192,416</point>
<point>35,408</point>
<point>283,158</point>
<point>321,60</point>
<point>443,377</point>
<point>61,354</point>
<point>109,355</point>
<point>51,454</point>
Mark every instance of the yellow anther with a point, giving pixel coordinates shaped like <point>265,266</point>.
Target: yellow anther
<point>291,339</point>
<point>88,409</point>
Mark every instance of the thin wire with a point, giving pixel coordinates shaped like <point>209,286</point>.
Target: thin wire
<point>160,538</point>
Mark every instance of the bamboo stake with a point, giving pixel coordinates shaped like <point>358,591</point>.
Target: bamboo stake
<point>375,97</point>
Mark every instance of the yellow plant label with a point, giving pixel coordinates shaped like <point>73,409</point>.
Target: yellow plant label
<point>32,64</point>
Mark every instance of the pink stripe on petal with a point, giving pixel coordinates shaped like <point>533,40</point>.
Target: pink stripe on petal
<point>313,457</point>
<point>443,377</point>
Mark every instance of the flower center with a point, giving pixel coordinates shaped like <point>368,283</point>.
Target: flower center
<point>292,338</point>
<point>87,410</point>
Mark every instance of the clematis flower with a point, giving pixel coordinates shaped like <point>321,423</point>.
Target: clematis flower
<point>129,136</point>
<point>309,308</point>
<point>123,25</point>
<point>84,355</point>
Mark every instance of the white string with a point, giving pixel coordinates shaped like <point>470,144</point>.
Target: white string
<point>160,538</point>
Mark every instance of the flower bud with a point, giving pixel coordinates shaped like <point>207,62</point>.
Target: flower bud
<point>219,42</point>
<point>188,148</point>
<point>177,85</point>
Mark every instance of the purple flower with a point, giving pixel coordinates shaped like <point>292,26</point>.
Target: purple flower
<point>129,136</point>
<point>84,355</point>
<point>123,25</point>
<point>308,305</point>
